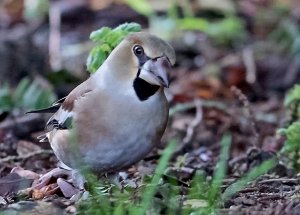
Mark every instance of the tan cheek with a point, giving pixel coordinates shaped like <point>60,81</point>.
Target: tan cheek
<point>129,69</point>
<point>133,65</point>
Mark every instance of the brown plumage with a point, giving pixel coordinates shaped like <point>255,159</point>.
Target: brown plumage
<point>120,113</point>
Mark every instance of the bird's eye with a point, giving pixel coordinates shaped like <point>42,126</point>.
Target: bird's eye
<point>138,50</point>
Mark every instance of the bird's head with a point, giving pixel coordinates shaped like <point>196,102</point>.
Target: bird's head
<point>144,58</point>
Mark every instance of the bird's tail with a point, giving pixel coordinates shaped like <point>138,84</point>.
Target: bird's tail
<point>51,109</point>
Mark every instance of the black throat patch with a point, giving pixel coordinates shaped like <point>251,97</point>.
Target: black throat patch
<point>143,89</point>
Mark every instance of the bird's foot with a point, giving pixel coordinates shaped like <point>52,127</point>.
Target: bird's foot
<point>53,174</point>
<point>121,180</point>
<point>69,182</point>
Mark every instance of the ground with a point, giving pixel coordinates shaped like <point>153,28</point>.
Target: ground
<point>232,87</point>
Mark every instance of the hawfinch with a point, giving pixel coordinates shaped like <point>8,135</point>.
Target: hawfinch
<point>115,118</point>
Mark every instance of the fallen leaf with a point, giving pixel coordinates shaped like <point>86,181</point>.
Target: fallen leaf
<point>45,191</point>
<point>71,209</point>
<point>12,183</point>
<point>34,207</point>
<point>37,194</point>
<point>26,147</point>
<point>66,188</point>
<point>25,173</point>
<point>196,203</point>
<point>2,201</point>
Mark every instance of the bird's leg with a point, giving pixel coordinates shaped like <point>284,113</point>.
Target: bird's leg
<point>114,178</point>
<point>118,179</point>
<point>78,180</point>
<point>70,182</point>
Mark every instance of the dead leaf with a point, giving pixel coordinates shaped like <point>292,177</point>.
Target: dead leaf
<point>34,207</point>
<point>12,183</point>
<point>2,201</point>
<point>37,194</point>
<point>26,147</point>
<point>45,191</point>
<point>66,188</point>
<point>71,209</point>
<point>25,173</point>
<point>196,203</point>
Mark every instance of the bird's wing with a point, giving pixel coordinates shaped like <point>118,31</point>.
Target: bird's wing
<point>62,119</point>
<point>63,108</point>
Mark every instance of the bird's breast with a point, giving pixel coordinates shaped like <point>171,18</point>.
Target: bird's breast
<point>121,131</point>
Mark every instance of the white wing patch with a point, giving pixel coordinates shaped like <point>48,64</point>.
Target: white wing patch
<point>62,119</point>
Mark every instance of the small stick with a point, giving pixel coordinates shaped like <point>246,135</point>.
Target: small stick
<point>196,121</point>
<point>190,105</point>
<point>24,157</point>
<point>283,180</point>
<point>242,97</point>
<point>55,37</point>
<point>249,62</point>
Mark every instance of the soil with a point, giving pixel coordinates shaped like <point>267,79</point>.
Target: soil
<point>210,96</point>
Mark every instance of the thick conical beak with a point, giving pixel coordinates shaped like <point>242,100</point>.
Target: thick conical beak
<point>155,71</point>
<point>162,67</point>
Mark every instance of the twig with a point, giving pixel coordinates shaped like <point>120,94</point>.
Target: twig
<point>181,107</point>
<point>23,121</point>
<point>20,32</point>
<point>191,105</point>
<point>242,97</point>
<point>76,49</point>
<point>54,36</point>
<point>249,190</point>
<point>291,193</point>
<point>237,159</point>
<point>196,121</point>
<point>288,209</point>
<point>250,65</point>
<point>283,180</point>
<point>24,157</point>
<point>23,125</point>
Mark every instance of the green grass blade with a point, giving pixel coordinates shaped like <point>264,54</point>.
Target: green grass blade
<point>220,171</point>
<point>162,165</point>
<point>252,175</point>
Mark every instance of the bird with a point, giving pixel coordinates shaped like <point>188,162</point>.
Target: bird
<point>118,115</point>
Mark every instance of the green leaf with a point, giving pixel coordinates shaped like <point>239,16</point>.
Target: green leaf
<point>220,170</point>
<point>35,10</point>
<point>96,58</point>
<point>129,27</point>
<point>116,37</point>
<point>199,186</point>
<point>252,175</point>
<point>150,190</point>
<point>292,96</point>
<point>141,6</point>
<point>107,40</point>
<point>192,23</point>
<point>30,97</point>
<point>45,99</point>
<point>292,134</point>
<point>6,102</point>
<point>26,96</point>
<point>224,31</point>
<point>120,210</point>
<point>20,90</point>
<point>97,36</point>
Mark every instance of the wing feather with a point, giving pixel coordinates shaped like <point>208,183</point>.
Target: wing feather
<point>62,119</point>
<point>63,108</point>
